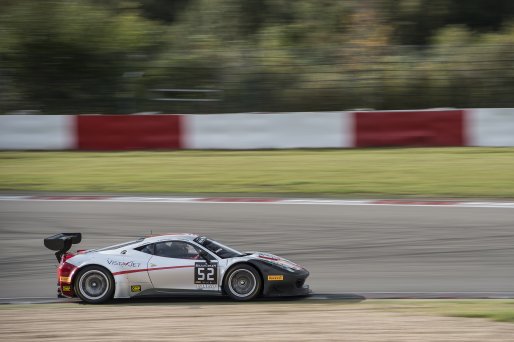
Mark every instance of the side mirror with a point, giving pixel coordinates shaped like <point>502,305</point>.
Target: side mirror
<point>205,256</point>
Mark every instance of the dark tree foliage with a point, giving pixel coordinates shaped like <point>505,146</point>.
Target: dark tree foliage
<point>484,15</point>
<point>416,21</point>
<point>165,11</point>
<point>68,56</point>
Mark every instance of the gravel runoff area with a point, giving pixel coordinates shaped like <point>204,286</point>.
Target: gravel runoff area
<point>264,321</point>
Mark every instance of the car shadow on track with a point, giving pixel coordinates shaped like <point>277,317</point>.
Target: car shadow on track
<point>218,299</point>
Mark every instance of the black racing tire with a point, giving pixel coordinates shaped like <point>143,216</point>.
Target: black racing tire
<point>242,283</point>
<point>94,284</point>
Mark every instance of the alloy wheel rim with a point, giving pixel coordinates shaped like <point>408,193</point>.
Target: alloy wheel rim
<point>242,283</point>
<point>94,284</point>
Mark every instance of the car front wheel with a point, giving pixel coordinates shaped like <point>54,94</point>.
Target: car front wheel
<point>242,283</point>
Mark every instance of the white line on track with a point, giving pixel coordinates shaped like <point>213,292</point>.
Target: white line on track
<point>268,201</point>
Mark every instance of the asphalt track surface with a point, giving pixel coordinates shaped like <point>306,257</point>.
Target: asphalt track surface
<point>373,251</point>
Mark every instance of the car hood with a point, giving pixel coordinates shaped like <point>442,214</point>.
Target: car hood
<point>274,259</point>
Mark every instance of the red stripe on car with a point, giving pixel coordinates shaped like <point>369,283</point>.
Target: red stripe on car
<point>268,258</point>
<point>150,269</point>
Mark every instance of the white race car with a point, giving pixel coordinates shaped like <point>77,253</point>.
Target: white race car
<point>171,264</point>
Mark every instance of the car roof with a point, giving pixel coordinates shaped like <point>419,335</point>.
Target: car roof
<point>171,236</point>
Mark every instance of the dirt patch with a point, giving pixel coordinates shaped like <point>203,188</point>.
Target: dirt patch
<point>242,322</point>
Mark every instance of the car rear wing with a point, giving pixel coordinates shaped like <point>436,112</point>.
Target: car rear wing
<point>62,243</point>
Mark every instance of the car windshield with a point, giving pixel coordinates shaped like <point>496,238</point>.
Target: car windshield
<point>217,248</point>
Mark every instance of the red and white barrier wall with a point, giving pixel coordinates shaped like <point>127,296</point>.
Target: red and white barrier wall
<point>410,128</point>
<point>37,132</point>
<point>128,132</point>
<point>261,131</point>
<point>491,127</point>
<point>467,127</point>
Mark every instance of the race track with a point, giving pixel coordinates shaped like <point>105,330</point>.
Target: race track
<point>348,249</point>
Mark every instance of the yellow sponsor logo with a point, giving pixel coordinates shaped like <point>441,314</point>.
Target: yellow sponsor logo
<point>135,288</point>
<point>275,277</point>
<point>66,288</point>
<point>65,279</point>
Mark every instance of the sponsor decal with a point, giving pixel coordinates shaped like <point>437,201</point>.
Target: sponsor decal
<point>206,286</point>
<point>66,288</point>
<point>135,288</point>
<point>206,273</point>
<point>130,263</point>
<point>275,277</point>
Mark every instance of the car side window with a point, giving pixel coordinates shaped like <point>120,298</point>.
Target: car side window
<point>148,249</point>
<point>176,250</point>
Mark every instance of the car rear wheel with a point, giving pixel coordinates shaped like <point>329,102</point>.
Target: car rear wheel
<point>94,285</point>
<point>242,283</point>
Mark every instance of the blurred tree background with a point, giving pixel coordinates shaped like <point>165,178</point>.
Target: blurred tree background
<point>203,56</point>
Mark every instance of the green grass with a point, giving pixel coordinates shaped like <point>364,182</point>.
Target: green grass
<point>494,309</point>
<point>425,172</point>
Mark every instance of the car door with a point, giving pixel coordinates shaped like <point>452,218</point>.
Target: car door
<point>177,265</point>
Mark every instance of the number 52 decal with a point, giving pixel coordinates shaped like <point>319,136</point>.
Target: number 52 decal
<point>206,273</point>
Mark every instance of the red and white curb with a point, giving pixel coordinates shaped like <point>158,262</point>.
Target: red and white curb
<point>263,200</point>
